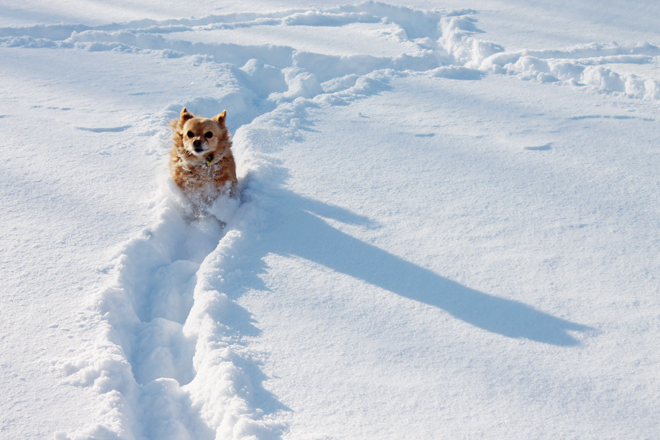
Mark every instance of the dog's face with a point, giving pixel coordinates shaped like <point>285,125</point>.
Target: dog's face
<point>202,136</point>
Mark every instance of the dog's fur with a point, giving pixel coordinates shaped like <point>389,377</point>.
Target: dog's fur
<point>201,161</point>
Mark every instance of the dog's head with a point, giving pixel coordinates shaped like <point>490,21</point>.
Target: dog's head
<point>202,137</point>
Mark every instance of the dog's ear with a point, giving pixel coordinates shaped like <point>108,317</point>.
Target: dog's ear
<point>185,115</point>
<point>220,119</point>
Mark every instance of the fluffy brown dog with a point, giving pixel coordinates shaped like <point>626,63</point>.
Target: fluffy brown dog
<point>201,161</point>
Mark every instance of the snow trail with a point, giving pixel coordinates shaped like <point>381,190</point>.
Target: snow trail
<point>444,43</point>
<point>173,355</point>
<point>167,380</point>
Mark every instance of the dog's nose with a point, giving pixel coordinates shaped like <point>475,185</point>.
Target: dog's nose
<point>197,145</point>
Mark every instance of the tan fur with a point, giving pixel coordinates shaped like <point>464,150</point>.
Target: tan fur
<point>196,140</point>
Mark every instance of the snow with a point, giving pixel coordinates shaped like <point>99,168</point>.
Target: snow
<point>448,225</point>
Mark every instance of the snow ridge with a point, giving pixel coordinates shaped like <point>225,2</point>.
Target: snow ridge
<point>580,66</point>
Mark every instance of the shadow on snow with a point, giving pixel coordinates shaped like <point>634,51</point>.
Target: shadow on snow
<point>298,231</point>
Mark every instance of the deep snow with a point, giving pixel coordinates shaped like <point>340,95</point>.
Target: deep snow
<point>448,225</point>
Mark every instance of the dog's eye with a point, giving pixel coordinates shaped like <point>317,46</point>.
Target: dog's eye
<point>190,134</point>
<point>208,135</point>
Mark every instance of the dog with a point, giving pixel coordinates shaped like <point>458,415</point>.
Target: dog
<point>201,161</point>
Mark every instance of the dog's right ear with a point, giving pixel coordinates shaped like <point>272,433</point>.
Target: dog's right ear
<point>185,115</point>
<point>220,119</point>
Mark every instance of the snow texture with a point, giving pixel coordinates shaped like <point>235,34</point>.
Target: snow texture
<point>437,237</point>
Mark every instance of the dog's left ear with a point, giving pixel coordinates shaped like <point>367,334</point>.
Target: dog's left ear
<point>185,115</point>
<point>220,119</point>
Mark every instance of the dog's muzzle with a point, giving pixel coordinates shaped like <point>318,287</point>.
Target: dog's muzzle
<point>198,147</point>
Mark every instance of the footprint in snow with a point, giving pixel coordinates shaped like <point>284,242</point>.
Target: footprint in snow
<point>106,129</point>
<point>545,147</point>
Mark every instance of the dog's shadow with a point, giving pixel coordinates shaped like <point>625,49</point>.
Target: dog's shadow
<point>297,229</point>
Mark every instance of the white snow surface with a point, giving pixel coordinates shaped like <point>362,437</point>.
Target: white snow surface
<point>449,223</point>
